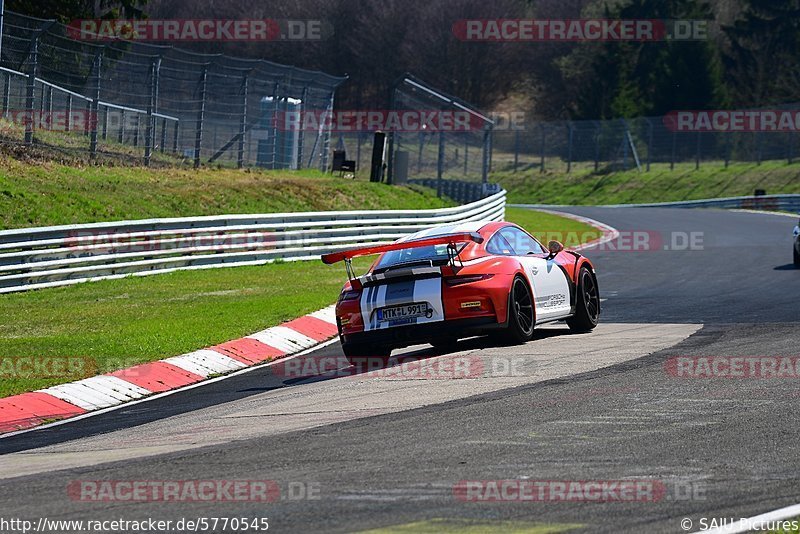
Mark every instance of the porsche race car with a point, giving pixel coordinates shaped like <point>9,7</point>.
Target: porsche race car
<point>456,281</point>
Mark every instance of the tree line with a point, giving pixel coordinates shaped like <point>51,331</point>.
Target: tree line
<point>750,57</point>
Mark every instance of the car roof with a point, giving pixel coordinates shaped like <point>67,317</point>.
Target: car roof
<point>471,250</point>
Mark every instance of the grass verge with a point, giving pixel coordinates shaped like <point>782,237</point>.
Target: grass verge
<point>711,180</point>
<point>52,193</point>
<point>119,323</point>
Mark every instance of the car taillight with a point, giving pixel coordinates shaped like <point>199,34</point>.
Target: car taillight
<point>458,280</point>
<point>350,294</point>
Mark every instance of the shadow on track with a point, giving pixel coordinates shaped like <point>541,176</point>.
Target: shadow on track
<point>298,371</point>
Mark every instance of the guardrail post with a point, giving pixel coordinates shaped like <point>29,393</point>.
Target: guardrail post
<point>95,106</point>
<point>440,165</point>
<point>152,103</point>
<point>175,137</point>
<point>198,131</point>
<point>136,132</point>
<point>243,126</point>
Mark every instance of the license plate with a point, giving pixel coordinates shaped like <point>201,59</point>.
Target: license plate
<point>406,311</point>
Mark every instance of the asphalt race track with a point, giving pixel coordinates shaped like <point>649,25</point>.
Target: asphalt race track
<point>387,448</point>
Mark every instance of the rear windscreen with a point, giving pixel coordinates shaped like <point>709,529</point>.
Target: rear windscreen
<point>434,253</point>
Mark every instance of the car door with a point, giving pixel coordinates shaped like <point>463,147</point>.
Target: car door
<point>551,288</point>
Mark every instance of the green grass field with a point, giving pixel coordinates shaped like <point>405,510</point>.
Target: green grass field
<point>119,323</point>
<point>52,193</point>
<point>711,180</point>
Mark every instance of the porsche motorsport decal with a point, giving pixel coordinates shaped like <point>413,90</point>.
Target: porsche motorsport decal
<point>426,291</point>
<point>552,301</point>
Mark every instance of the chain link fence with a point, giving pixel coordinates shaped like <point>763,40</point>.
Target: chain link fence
<point>155,102</point>
<point>433,139</point>
<point>622,144</point>
<point>459,150</point>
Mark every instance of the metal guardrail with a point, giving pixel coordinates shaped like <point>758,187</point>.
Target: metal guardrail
<point>786,202</point>
<point>32,258</point>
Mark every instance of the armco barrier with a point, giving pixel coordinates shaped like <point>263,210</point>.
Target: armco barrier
<point>787,202</point>
<point>33,258</point>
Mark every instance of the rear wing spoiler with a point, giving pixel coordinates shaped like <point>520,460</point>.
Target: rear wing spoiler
<point>446,239</point>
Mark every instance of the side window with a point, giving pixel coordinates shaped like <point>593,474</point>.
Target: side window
<point>499,245</point>
<point>521,242</point>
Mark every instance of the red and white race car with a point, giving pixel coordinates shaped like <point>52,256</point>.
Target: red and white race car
<point>450,282</point>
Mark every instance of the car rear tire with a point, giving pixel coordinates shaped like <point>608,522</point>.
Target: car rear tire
<point>587,303</point>
<point>521,314</point>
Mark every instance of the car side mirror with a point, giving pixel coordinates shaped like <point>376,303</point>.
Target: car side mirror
<point>554,247</point>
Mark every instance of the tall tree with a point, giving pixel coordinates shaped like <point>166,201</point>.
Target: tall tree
<point>762,59</point>
<point>69,10</point>
<point>625,79</point>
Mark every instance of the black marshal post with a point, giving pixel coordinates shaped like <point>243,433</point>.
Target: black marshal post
<point>376,169</point>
